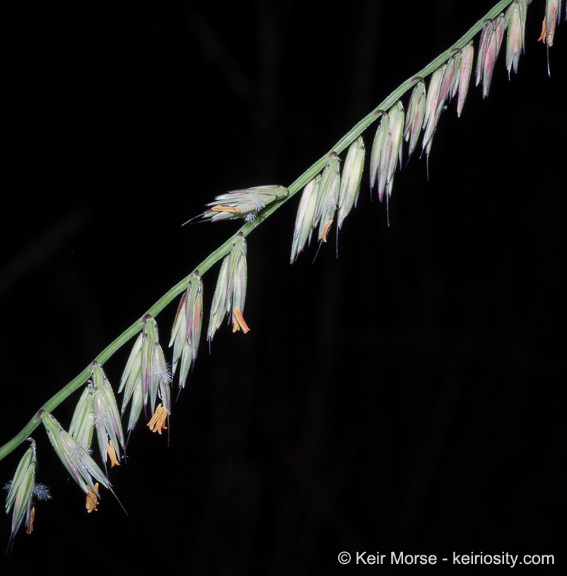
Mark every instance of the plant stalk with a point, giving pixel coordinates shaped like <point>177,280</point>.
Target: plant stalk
<point>247,228</point>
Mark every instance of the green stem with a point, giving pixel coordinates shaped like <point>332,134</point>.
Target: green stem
<point>224,249</point>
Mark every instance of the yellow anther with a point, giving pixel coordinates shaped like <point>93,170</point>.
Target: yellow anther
<point>111,451</point>
<point>239,322</point>
<point>221,208</point>
<point>325,230</point>
<point>157,422</point>
<point>92,499</point>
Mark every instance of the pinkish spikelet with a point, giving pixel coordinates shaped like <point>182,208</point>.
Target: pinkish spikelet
<point>432,108</point>
<point>491,41</point>
<point>230,291</point>
<point>415,116</point>
<point>464,75</point>
<point>514,21</point>
<point>552,18</point>
<point>186,330</point>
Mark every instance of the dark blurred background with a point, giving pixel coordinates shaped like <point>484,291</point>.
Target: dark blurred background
<point>407,396</point>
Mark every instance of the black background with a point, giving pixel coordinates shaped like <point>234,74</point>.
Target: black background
<point>407,396</point>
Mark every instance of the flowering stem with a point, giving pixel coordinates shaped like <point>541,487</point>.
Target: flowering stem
<point>247,228</point>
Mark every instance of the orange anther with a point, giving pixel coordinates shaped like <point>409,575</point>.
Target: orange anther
<point>221,208</point>
<point>325,230</point>
<point>239,322</point>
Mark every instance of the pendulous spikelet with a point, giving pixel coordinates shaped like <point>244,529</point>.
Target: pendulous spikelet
<point>230,291</point>
<point>82,422</point>
<point>304,221</point>
<point>378,146</point>
<point>97,410</point>
<point>146,375</point>
<point>350,182</point>
<point>415,116</point>
<point>107,421</point>
<point>433,108</point>
<point>21,491</point>
<point>465,69</point>
<point>489,48</point>
<point>186,330</point>
<point>328,196</point>
<point>515,22</point>
<point>550,21</point>
<point>387,150</point>
<point>76,459</point>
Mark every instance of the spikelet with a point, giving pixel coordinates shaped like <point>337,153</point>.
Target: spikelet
<point>433,108</point>
<point>82,423</point>
<point>328,196</point>
<point>304,221</point>
<point>378,146</point>
<point>76,459</point>
<point>245,204</point>
<point>515,22</point>
<point>350,181</point>
<point>230,291</point>
<point>21,491</point>
<point>186,330</point>
<point>550,21</point>
<point>387,150</point>
<point>106,417</point>
<point>489,48</point>
<point>97,410</point>
<point>415,116</point>
<point>465,69</point>
<point>146,375</point>
<point>397,119</point>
